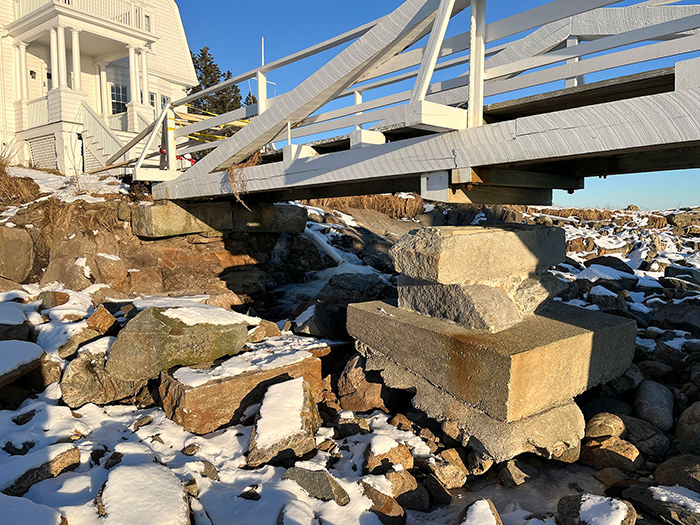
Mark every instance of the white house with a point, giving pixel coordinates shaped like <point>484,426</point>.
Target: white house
<point>82,77</point>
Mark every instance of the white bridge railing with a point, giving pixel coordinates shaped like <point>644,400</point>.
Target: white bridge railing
<point>543,49</point>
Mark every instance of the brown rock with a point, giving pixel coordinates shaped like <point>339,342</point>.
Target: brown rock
<point>65,270</point>
<point>18,358</point>
<point>478,463</point>
<point>605,424</point>
<point>111,270</point>
<point>401,422</point>
<point>379,460</point>
<point>318,484</point>
<point>102,321</point>
<point>355,392</point>
<point>385,507</point>
<point>450,475</point>
<point>688,426</point>
<point>611,452</point>
<point>146,280</point>
<point>52,298</point>
<point>408,492</point>
<point>261,450</point>
<point>16,253</point>
<point>62,457</point>
<point>613,477</point>
<point>70,348</point>
<point>206,407</point>
<point>224,299</point>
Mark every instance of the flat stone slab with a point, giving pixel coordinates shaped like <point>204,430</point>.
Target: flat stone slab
<point>269,218</point>
<point>203,400</point>
<point>540,363</point>
<point>554,434</point>
<point>18,358</point>
<point>478,255</point>
<point>168,219</point>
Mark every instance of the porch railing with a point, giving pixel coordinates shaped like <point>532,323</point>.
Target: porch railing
<point>38,112</point>
<point>118,11</point>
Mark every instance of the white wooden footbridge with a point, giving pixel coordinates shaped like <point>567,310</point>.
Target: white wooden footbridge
<point>352,127</point>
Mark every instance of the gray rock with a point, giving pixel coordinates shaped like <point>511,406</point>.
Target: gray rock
<point>646,437</point>
<point>632,378</point>
<point>684,316</point>
<point>688,426</point>
<point>533,294</point>
<point>266,218</point>
<point>569,510</point>
<point>86,380</point>
<point>318,484</point>
<point>605,424</point>
<point>654,404</point>
<point>168,218</point>
<point>261,451</point>
<point>69,349</point>
<point>654,369</point>
<point>673,357</point>
<point>152,342</point>
<point>611,262</point>
<point>516,472</point>
<point>475,306</point>
<point>683,470</point>
<point>685,272</point>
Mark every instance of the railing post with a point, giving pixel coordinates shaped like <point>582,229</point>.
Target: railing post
<point>358,100</point>
<point>168,135</point>
<point>262,91</point>
<point>579,80</point>
<point>476,63</point>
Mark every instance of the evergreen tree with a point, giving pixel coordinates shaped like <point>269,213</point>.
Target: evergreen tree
<point>209,74</point>
<point>250,99</point>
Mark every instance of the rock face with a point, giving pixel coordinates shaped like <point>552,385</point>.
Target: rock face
<point>16,253</point>
<point>318,484</point>
<point>215,399</point>
<point>585,508</point>
<point>286,424</point>
<point>152,342</point>
<point>86,380</point>
<point>19,473</point>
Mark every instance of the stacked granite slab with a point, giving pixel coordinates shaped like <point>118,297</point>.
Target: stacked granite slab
<point>479,339</point>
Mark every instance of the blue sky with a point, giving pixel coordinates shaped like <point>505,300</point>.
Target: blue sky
<point>233,30</point>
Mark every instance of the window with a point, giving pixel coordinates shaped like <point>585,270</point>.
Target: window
<point>138,14</point>
<point>119,99</point>
<point>152,99</point>
<point>147,23</point>
<point>163,101</point>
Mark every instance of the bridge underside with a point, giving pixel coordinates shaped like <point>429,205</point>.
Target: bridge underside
<point>640,123</point>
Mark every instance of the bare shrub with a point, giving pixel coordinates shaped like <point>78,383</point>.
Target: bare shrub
<point>394,206</point>
<point>16,190</point>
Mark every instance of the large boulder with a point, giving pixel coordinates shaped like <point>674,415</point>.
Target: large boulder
<point>16,253</point>
<point>654,404</point>
<point>85,380</point>
<point>286,424</point>
<point>158,339</point>
<point>683,470</point>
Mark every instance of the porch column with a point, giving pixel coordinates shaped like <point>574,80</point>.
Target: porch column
<point>105,108</point>
<point>53,38</point>
<point>133,76</point>
<point>62,72</point>
<point>77,67</point>
<point>144,75</point>
<point>23,73</point>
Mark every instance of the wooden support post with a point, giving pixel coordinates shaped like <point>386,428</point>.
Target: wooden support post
<point>358,100</point>
<point>476,63</point>
<point>579,80</point>
<point>432,51</point>
<point>262,91</point>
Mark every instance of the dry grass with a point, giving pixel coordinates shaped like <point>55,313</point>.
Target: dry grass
<point>391,205</point>
<point>237,178</point>
<point>62,217</point>
<point>16,190</point>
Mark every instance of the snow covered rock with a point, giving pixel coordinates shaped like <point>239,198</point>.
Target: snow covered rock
<point>297,513</point>
<point>76,340</point>
<point>158,339</point>
<point>318,484</point>
<point>86,380</point>
<point>16,359</point>
<point>14,510</point>
<point>13,322</point>
<point>677,505</point>
<point>383,452</point>
<point>654,403</point>
<point>684,316</point>
<point>384,506</point>
<point>287,422</point>
<point>145,493</point>
<point>19,473</point>
<point>202,400</point>
<point>589,509</point>
<point>481,512</point>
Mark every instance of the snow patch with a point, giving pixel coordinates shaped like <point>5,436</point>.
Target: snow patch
<point>479,514</point>
<point>213,315</point>
<point>280,413</point>
<point>14,354</point>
